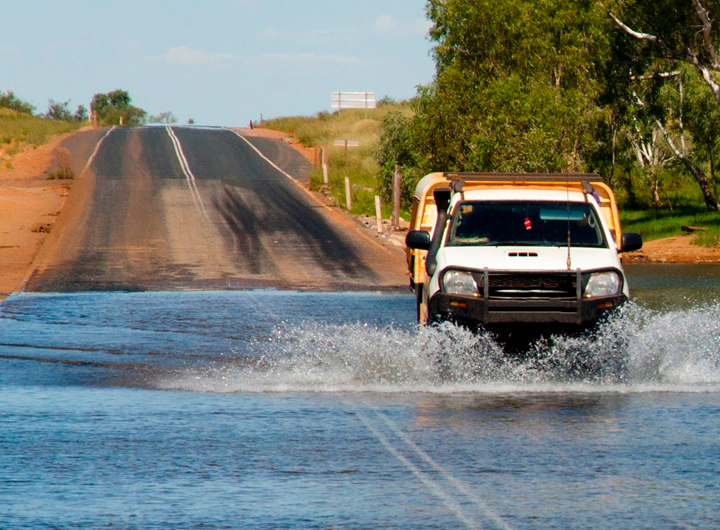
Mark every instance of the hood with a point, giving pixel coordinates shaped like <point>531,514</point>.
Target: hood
<point>527,258</point>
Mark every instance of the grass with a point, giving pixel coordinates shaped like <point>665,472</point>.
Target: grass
<point>355,124</point>
<point>706,239</point>
<point>18,130</point>
<point>661,223</point>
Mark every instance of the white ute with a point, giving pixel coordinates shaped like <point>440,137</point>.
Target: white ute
<point>509,251</point>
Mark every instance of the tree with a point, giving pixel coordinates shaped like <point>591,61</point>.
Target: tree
<point>680,31</point>
<point>670,29</point>
<point>114,106</point>
<point>516,86</point>
<point>8,100</point>
<point>58,111</point>
<point>396,149</point>
<point>163,117</point>
<point>81,114</point>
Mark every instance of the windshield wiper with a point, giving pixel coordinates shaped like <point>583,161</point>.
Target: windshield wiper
<point>514,243</point>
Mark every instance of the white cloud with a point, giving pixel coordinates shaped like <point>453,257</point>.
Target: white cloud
<point>271,33</point>
<point>387,24</point>
<point>188,56</point>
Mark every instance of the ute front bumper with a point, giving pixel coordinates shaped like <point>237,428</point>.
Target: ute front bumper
<point>516,297</point>
<point>471,309</point>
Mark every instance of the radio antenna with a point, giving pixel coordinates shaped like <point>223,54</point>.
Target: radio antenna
<point>567,202</point>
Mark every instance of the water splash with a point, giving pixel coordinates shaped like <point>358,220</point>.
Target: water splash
<point>636,350</point>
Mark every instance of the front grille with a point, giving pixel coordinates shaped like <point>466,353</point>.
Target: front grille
<point>532,286</point>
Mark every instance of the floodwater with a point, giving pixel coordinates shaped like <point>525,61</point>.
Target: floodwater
<point>275,410</point>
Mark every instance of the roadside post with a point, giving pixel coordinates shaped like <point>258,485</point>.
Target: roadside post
<point>326,180</point>
<point>378,214</point>
<point>397,179</point>
<point>348,196</point>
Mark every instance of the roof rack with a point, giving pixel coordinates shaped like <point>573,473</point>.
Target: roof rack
<point>526,177</point>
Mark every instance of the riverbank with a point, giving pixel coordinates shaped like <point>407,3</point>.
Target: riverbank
<point>677,249</point>
<point>29,206</point>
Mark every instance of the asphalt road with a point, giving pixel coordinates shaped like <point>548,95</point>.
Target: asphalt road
<point>199,208</point>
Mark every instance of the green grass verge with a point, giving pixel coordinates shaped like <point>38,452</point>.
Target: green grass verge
<point>657,224</point>
<point>17,130</point>
<point>355,124</point>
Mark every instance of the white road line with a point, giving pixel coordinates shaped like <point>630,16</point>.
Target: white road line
<point>97,148</point>
<point>459,485</point>
<point>432,485</point>
<point>288,175</point>
<point>187,171</point>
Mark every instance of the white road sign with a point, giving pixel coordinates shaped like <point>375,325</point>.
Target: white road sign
<point>353,100</point>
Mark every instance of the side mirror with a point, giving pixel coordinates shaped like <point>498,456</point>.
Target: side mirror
<point>631,241</point>
<point>418,239</point>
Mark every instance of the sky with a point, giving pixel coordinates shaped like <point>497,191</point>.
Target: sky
<point>219,62</point>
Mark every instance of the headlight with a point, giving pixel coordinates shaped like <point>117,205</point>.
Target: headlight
<point>460,282</point>
<point>602,284</point>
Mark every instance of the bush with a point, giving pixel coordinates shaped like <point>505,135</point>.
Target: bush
<point>8,100</point>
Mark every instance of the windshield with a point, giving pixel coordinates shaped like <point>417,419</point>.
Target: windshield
<point>537,223</point>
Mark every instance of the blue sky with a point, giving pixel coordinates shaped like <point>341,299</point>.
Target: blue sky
<point>220,62</point>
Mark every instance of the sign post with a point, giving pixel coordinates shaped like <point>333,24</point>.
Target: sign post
<point>346,144</point>
<point>397,180</point>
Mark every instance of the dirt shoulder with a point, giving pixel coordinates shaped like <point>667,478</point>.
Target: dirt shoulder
<point>677,249</point>
<point>29,206</point>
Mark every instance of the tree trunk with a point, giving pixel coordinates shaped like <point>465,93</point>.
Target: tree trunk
<point>611,176</point>
<point>655,187</point>
<point>697,173</point>
<point>712,173</point>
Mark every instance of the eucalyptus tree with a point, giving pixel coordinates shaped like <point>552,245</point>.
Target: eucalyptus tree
<point>516,87</point>
<point>114,107</point>
<point>681,32</point>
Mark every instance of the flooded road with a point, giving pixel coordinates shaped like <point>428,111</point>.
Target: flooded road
<point>271,409</point>
<point>172,208</point>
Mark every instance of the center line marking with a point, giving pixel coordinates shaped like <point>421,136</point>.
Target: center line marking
<point>459,485</point>
<point>95,151</point>
<point>185,167</point>
<point>450,503</point>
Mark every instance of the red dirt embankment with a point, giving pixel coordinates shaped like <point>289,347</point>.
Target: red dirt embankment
<point>29,205</point>
<point>678,249</point>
